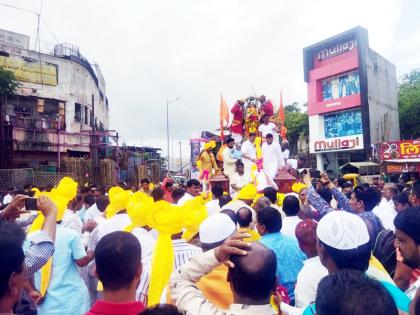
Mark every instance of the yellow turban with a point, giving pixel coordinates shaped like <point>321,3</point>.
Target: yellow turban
<point>248,192</point>
<point>66,188</point>
<point>210,145</point>
<point>117,202</point>
<point>65,192</point>
<point>140,210</point>
<point>297,187</point>
<point>36,192</point>
<point>168,220</point>
<point>195,212</point>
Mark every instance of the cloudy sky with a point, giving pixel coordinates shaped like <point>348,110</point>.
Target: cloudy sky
<point>151,51</point>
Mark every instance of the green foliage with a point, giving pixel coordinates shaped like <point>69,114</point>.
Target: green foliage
<point>297,123</point>
<point>409,105</point>
<point>8,83</point>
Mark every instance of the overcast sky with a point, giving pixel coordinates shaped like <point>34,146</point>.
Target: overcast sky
<point>151,51</point>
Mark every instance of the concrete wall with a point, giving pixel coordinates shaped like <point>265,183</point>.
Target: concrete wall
<point>382,94</point>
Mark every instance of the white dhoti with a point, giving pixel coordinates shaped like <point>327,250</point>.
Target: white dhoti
<point>271,168</point>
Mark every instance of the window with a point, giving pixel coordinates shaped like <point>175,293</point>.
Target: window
<point>77,112</point>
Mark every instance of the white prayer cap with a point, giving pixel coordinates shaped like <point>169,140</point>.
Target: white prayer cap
<point>342,230</point>
<point>216,228</point>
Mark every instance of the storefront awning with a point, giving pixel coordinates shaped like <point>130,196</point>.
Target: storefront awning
<point>360,164</point>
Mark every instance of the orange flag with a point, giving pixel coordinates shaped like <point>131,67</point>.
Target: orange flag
<point>280,117</point>
<point>280,113</point>
<point>224,115</point>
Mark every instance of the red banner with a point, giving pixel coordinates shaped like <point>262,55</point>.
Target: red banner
<point>408,149</point>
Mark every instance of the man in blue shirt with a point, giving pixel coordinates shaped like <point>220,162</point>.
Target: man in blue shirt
<point>343,242</point>
<point>289,256</point>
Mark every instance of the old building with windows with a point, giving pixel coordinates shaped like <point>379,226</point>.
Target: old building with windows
<point>60,109</point>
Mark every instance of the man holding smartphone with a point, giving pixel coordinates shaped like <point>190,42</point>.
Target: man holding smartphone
<point>19,265</point>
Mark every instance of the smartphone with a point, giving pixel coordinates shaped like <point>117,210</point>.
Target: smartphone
<point>31,204</point>
<point>315,173</point>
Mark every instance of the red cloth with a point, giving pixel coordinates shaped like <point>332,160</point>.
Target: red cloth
<point>237,125</point>
<point>107,308</point>
<point>168,192</point>
<point>267,108</point>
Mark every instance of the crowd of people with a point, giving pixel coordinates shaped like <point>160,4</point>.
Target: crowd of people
<point>326,248</point>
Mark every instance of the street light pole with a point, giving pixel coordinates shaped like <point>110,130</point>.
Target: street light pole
<point>167,125</point>
<point>180,155</point>
<point>167,131</point>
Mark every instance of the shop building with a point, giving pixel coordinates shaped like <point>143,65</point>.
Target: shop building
<point>352,99</point>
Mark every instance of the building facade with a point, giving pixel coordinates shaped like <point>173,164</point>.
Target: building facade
<point>352,99</point>
<point>60,109</point>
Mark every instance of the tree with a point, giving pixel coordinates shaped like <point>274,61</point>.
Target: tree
<point>8,86</point>
<point>296,122</point>
<point>409,105</point>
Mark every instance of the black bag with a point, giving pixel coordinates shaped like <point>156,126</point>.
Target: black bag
<point>384,250</point>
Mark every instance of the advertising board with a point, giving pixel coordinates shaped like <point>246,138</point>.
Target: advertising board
<point>341,124</point>
<point>340,86</point>
<point>336,144</point>
<point>30,71</point>
<point>407,149</point>
<point>340,131</point>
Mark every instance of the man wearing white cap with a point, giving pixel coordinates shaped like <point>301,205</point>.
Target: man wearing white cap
<point>213,232</point>
<point>343,243</point>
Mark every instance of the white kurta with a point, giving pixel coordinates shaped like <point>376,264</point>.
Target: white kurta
<point>229,163</point>
<point>239,181</point>
<point>272,158</point>
<point>249,150</point>
<point>269,128</point>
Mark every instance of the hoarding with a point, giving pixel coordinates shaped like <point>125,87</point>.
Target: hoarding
<point>341,131</point>
<point>30,70</point>
<point>335,50</point>
<point>340,86</point>
<point>407,149</point>
<point>336,144</point>
<point>341,124</point>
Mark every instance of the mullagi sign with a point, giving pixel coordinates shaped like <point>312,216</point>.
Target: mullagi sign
<point>338,144</point>
<point>337,49</point>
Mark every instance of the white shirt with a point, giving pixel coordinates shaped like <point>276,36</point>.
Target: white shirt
<point>72,221</point>
<point>92,212</point>
<point>147,243</point>
<point>249,150</point>
<point>286,154</point>
<point>212,207</point>
<point>184,198</point>
<point>266,129</point>
<point>307,282</point>
<point>288,226</point>
<point>272,153</point>
<point>386,213</point>
<point>117,223</point>
<point>240,181</point>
